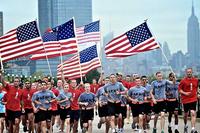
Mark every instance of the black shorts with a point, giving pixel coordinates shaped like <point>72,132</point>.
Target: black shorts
<point>159,107</point>
<point>172,106</point>
<point>113,109</point>
<point>44,115</point>
<point>55,112</point>
<point>123,111</point>
<point>190,106</point>
<point>37,117</point>
<point>27,111</point>
<point>87,115</point>
<point>65,113</point>
<point>12,115</point>
<point>147,108</point>
<point>103,111</point>
<point>2,115</point>
<point>74,115</point>
<point>137,109</point>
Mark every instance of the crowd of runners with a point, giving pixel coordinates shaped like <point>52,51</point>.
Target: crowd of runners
<point>40,105</point>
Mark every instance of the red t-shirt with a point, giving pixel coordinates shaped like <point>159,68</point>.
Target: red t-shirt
<point>189,85</point>
<point>130,84</point>
<point>54,105</point>
<point>75,95</point>
<point>13,98</point>
<point>26,97</point>
<point>94,88</point>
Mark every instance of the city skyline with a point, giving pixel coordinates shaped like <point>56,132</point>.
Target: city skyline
<point>122,16</point>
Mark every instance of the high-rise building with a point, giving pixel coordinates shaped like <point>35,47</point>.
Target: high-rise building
<point>193,39</point>
<point>166,51</point>
<point>55,12</point>
<point>1,23</point>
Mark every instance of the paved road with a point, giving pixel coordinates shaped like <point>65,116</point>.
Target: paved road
<point>129,130</point>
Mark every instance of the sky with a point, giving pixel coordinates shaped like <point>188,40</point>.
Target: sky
<point>167,19</point>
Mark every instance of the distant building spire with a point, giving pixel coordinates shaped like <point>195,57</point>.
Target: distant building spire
<point>192,7</point>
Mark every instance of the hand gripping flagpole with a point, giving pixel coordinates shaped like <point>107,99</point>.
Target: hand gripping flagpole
<point>81,75</point>
<point>161,49</point>
<point>45,52</point>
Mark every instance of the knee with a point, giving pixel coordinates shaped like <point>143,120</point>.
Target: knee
<point>17,122</point>
<point>162,114</point>
<point>90,123</point>
<point>141,117</point>
<point>68,122</point>
<point>193,113</point>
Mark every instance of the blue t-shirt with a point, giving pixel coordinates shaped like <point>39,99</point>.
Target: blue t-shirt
<point>63,96</point>
<point>172,90</point>
<point>100,94</point>
<point>88,98</point>
<point>2,106</point>
<point>123,100</point>
<point>111,89</point>
<point>159,88</point>
<point>137,93</point>
<point>44,97</point>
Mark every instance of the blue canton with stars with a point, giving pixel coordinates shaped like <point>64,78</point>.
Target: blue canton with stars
<point>27,31</point>
<point>88,54</point>
<point>49,36</point>
<point>139,34</point>
<point>92,27</point>
<point>65,31</point>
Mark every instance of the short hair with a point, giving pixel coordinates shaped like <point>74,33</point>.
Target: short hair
<point>170,74</point>
<point>143,76</point>
<point>43,82</point>
<point>112,74</point>
<point>137,77</point>
<point>159,72</point>
<point>128,75</point>
<point>188,68</point>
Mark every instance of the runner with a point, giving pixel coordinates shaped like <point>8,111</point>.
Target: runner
<point>158,97</point>
<point>44,98</point>
<point>13,106</point>
<point>2,108</point>
<point>172,102</point>
<point>75,112</point>
<point>137,96</point>
<point>188,89</point>
<point>147,102</point>
<point>87,102</point>
<point>103,106</point>
<point>113,90</point>
<point>94,86</point>
<point>27,108</point>
<point>64,100</point>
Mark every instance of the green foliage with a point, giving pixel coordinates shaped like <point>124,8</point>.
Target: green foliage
<point>91,75</point>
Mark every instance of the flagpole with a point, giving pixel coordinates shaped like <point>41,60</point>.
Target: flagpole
<point>81,75</point>
<point>2,69</point>
<point>101,46</point>
<point>161,49</point>
<point>45,52</point>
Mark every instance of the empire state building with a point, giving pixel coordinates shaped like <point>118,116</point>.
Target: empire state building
<point>193,39</point>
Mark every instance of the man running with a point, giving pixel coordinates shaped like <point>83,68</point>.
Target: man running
<point>188,89</point>
<point>158,97</point>
<point>113,90</point>
<point>27,108</point>
<point>64,99</point>
<point>44,98</point>
<point>2,108</point>
<point>87,102</point>
<point>137,96</point>
<point>13,106</point>
<point>172,101</point>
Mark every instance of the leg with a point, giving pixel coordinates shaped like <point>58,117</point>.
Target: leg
<point>155,121</point>
<point>185,117</point>
<point>10,123</point>
<point>140,121</point>
<point>107,125</point>
<point>128,114</point>
<point>176,119</point>
<point>193,119</point>
<point>162,120</point>
<point>62,125</point>
<point>90,126</point>
<point>43,126</point>
<point>68,125</point>
<point>31,123</point>
<point>1,125</point>
<point>75,127</point>
<point>16,125</point>
<point>120,121</point>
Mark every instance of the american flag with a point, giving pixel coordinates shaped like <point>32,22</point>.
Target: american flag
<point>88,33</point>
<point>22,41</point>
<point>89,60</point>
<point>137,40</point>
<point>59,40</point>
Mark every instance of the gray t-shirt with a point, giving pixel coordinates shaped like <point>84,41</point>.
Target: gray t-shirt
<point>100,94</point>
<point>44,97</point>
<point>137,93</point>
<point>63,96</point>
<point>111,89</point>
<point>89,98</point>
<point>172,90</point>
<point>159,88</point>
